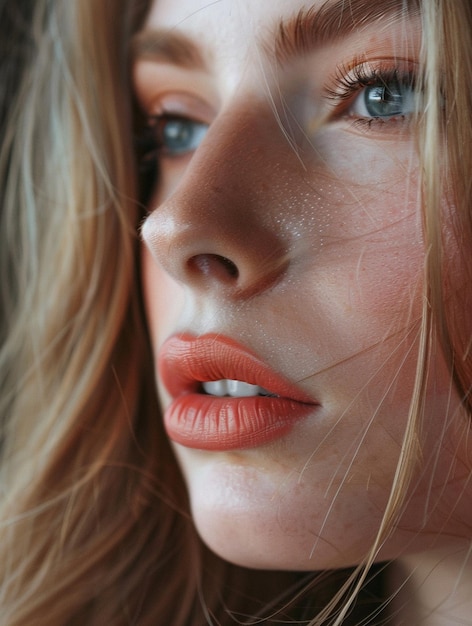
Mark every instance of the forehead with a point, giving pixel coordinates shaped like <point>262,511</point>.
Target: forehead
<point>226,14</point>
<point>238,29</point>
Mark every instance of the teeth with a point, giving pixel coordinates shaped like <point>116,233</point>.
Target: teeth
<point>216,388</point>
<point>234,388</point>
<point>238,389</point>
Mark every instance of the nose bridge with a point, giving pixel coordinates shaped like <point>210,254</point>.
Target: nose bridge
<point>216,227</point>
<point>230,169</point>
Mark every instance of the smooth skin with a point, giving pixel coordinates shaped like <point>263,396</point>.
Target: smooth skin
<point>302,172</point>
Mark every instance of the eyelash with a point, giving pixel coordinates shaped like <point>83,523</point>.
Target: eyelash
<point>350,82</point>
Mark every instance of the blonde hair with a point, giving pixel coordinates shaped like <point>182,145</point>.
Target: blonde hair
<point>81,443</point>
<point>94,524</point>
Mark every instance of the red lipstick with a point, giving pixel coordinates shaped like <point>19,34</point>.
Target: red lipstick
<point>197,420</point>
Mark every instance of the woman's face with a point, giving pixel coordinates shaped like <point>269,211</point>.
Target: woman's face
<point>284,250</point>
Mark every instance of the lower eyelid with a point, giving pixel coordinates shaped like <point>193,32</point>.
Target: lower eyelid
<point>389,128</point>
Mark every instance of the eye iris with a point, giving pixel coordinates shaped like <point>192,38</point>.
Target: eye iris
<point>180,135</point>
<point>177,135</point>
<point>387,100</point>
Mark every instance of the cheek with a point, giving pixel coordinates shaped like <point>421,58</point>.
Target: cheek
<point>360,278</point>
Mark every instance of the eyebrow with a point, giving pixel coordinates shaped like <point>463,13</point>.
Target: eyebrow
<point>166,46</point>
<point>317,26</point>
<point>305,32</point>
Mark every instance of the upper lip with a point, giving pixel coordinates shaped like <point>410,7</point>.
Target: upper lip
<point>185,361</point>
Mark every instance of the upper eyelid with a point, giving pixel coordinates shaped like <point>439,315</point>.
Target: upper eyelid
<point>154,81</point>
<point>366,70</point>
<point>181,106</point>
<point>164,81</point>
<point>176,102</point>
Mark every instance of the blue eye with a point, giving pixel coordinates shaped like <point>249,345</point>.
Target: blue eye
<point>385,100</point>
<point>176,136</point>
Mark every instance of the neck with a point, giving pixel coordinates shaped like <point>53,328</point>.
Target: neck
<point>435,588</point>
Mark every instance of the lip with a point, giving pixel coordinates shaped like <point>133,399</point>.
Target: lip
<point>205,422</point>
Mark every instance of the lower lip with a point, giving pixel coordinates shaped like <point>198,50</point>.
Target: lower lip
<point>207,422</point>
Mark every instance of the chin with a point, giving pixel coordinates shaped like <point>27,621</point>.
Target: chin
<point>264,536</point>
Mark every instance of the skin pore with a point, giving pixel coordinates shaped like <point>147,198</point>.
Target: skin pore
<point>286,217</point>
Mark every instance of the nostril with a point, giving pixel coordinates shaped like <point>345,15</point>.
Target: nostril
<point>214,265</point>
<point>229,266</point>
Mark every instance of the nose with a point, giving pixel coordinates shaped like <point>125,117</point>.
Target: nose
<point>219,230</point>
